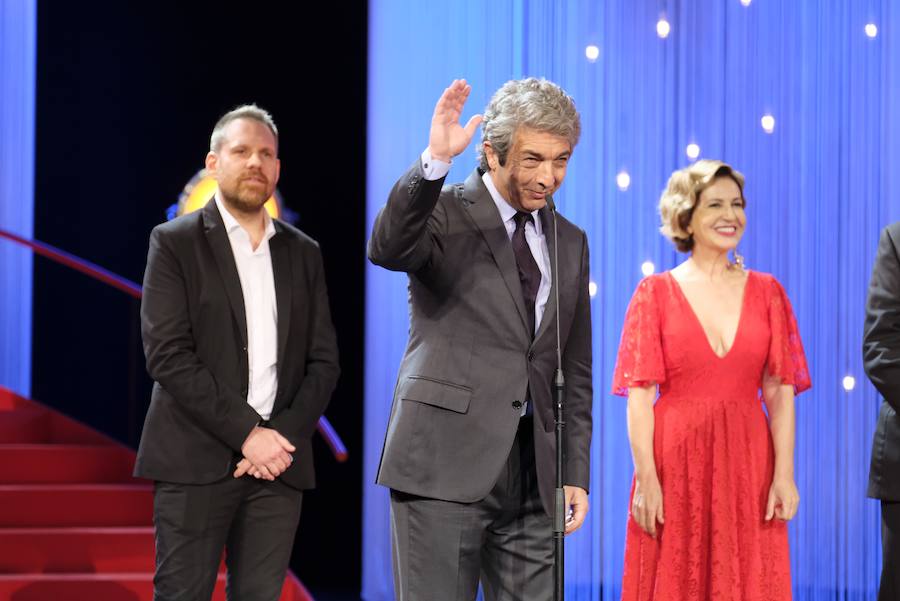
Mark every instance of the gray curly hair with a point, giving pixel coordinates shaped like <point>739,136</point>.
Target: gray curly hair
<point>534,103</point>
<point>246,111</point>
<point>679,199</point>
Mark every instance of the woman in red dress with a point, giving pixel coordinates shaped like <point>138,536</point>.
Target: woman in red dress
<point>704,346</point>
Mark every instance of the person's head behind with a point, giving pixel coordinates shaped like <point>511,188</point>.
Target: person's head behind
<point>529,130</point>
<point>703,207</point>
<point>243,157</point>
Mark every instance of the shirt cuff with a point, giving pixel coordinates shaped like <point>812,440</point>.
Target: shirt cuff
<point>433,169</point>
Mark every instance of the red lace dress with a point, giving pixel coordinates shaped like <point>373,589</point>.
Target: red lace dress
<point>711,443</point>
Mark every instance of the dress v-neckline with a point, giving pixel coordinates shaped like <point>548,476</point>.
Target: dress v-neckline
<point>699,323</point>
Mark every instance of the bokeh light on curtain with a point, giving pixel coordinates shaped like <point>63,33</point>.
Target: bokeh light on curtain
<point>18,49</point>
<point>819,187</point>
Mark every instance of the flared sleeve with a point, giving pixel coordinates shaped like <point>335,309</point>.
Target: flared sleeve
<point>786,360</point>
<point>640,359</point>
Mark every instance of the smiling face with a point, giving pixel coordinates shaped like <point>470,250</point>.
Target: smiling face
<point>535,168</point>
<point>718,220</point>
<point>246,165</point>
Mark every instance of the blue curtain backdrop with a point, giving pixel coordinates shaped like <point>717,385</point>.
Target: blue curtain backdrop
<point>820,186</point>
<point>18,43</point>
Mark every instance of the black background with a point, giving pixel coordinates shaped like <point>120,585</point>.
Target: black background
<point>127,95</point>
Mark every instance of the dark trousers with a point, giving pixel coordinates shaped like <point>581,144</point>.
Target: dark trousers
<point>442,549</point>
<point>254,521</point>
<point>889,590</point>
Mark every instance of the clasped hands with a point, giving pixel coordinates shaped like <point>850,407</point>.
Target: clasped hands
<point>266,454</point>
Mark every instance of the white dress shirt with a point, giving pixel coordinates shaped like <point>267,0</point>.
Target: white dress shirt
<point>254,269</point>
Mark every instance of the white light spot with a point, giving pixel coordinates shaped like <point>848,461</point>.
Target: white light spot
<point>746,2</point>
<point>871,30</point>
<point>623,180</point>
<point>592,289</point>
<point>692,151</point>
<point>663,28</point>
<point>849,383</point>
<point>647,268</point>
<point>592,53</point>
<point>768,123</point>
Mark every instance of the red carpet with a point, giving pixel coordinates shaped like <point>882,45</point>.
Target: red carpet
<point>74,524</point>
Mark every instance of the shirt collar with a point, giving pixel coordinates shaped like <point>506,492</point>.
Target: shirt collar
<point>231,224</point>
<point>507,211</point>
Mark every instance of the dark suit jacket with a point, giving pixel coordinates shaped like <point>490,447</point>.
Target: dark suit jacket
<point>194,329</point>
<point>470,356</point>
<point>881,354</point>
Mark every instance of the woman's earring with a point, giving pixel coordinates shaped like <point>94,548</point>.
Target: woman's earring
<point>738,259</point>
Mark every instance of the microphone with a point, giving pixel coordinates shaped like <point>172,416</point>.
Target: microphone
<point>559,387</point>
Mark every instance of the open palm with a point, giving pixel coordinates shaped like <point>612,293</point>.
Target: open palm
<point>448,138</point>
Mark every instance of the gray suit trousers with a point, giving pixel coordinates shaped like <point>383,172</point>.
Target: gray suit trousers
<point>442,549</point>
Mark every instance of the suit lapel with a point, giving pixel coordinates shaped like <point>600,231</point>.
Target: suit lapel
<point>281,270</point>
<point>549,316</point>
<point>221,250</point>
<point>481,208</point>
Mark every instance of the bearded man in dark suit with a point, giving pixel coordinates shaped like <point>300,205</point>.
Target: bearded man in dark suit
<point>238,338</point>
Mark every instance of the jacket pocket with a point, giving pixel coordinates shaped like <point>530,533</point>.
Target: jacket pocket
<point>889,431</point>
<point>438,393</point>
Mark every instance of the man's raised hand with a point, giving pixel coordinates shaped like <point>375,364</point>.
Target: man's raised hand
<point>448,138</point>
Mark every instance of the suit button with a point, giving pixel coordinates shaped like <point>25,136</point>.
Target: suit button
<point>531,355</point>
<point>517,404</point>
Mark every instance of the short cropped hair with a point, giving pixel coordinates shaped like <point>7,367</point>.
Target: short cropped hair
<point>246,111</point>
<point>679,199</point>
<point>533,103</point>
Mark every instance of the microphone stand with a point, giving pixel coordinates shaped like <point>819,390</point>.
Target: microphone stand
<point>559,389</point>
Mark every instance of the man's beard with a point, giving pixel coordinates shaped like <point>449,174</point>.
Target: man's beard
<point>245,201</point>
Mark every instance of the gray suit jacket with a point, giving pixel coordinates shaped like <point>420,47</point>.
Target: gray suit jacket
<point>470,357</point>
<point>881,354</point>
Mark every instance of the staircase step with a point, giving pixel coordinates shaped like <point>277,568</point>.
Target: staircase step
<point>72,505</point>
<point>64,463</point>
<point>77,550</point>
<point>24,425</point>
<point>72,550</point>
<point>104,587</point>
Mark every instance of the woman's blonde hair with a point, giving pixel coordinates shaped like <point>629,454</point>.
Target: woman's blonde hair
<point>679,199</point>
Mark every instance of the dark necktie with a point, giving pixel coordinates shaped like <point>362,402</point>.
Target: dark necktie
<point>529,274</point>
